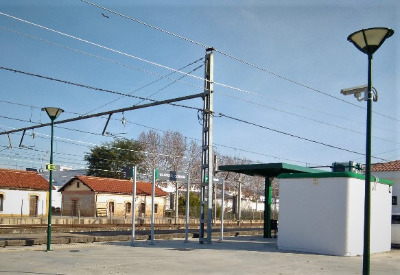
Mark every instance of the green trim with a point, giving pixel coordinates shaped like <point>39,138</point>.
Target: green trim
<point>332,175</point>
<point>267,169</point>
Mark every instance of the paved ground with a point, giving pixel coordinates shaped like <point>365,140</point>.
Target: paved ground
<point>235,255</point>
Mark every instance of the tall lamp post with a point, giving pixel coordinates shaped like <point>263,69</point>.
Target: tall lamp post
<point>53,113</point>
<point>368,41</point>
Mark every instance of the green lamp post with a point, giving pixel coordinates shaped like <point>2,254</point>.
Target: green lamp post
<point>53,113</point>
<point>368,41</point>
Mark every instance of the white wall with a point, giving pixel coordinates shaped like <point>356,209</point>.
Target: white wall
<point>17,202</point>
<point>395,177</point>
<point>326,215</point>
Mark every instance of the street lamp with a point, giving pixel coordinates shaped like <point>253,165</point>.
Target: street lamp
<point>368,41</point>
<point>53,113</point>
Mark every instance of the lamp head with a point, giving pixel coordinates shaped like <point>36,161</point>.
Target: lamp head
<point>53,112</point>
<point>369,40</point>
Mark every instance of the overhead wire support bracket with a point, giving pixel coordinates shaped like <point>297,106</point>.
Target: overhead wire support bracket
<point>9,140</point>
<point>136,107</point>
<point>22,138</point>
<point>105,126</point>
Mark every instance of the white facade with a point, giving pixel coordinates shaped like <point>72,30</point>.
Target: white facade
<point>24,202</point>
<point>393,176</point>
<point>326,214</point>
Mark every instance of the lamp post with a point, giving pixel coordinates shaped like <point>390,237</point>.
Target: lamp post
<point>368,41</point>
<point>53,113</point>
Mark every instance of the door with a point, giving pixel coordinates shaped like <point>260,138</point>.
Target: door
<point>142,210</point>
<point>111,208</point>
<point>74,207</point>
<point>33,205</point>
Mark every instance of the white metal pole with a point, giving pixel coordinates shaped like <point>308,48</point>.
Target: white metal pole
<point>153,191</point>
<point>187,209</point>
<point>222,210</point>
<point>240,201</point>
<point>133,205</point>
<point>176,202</point>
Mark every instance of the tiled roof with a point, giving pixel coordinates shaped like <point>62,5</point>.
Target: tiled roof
<point>110,185</point>
<point>20,179</point>
<point>387,166</point>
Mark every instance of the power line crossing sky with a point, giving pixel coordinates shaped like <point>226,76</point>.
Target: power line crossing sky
<point>279,65</point>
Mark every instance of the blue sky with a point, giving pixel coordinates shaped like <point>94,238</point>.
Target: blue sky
<point>302,50</point>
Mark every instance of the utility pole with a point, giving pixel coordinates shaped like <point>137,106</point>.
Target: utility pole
<point>207,152</point>
<point>239,200</point>
<point>215,167</point>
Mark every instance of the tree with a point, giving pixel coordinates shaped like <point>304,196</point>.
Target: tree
<point>194,161</point>
<point>151,142</point>
<point>194,204</point>
<point>108,159</point>
<point>164,152</point>
<point>174,148</point>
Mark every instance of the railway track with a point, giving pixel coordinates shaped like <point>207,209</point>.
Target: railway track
<point>40,228</point>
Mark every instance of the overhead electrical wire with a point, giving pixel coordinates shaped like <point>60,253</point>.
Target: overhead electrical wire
<point>308,118</point>
<point>98,45</point>
<point>160,65</point>
<point>88,144</point>
<point>100,89</point>
<point>278,131</point>
<point>294,136</point>
<point>95,44</point>
<point>102,58</point>
<point>91,87</point>
<point>119,63</point>
<point>154,63</point>
<point>234,58</point>
<point>124,94</point>
<point>159,90</point>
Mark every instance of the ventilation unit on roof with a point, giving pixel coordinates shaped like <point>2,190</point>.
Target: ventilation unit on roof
<point>349,166</point>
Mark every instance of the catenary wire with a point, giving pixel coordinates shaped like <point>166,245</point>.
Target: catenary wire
<point>308,118</point>
<point>106,59</point>
<point>90,87</point>
<point>234,58</point>
<point>168,68</point>
<point>165,67</point>
<point>86,144</point>
<point>294,136</point>
<point>98,45</point>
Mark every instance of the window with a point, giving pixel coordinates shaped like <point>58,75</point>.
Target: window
<point>155,208</point>
<point>394,200</point>
<point>78,184</point>
<point>1,202</point>
<point>128,207</point>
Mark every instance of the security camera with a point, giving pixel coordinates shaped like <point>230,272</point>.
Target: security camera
<point>354,90</point>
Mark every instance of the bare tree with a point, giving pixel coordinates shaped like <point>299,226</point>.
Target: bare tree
<point>173,149</point>
<point>151,142</point>
<point>193,161</point>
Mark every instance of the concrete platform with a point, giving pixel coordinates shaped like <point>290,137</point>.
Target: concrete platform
<point>35,237</point>
<point>235,255</point>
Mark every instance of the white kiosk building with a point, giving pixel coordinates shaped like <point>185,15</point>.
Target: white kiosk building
<point>324,213</point>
